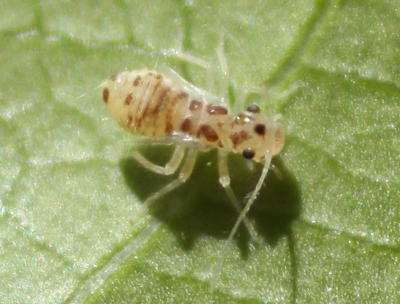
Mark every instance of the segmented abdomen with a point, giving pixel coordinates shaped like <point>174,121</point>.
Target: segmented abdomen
<point>147,103</point>
<point>157,106</point>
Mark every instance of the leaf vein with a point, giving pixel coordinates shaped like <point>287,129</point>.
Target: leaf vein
<point>337,162</point>
<point>350,235</point>
<point>296,51</point>
<point>94,281</point>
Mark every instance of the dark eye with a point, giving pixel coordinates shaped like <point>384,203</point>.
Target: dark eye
<point>248,153</point>
<point>253,108</point>
<point>259,129</point>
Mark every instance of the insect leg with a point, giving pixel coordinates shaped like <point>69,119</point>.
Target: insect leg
<point>223,63</point>
<point>180,54</point>
<point>225,181</point>
<point>201,93</point>
<point>192,59</point>
<point>169,168</point>
<point>183,176</point>
<point>148,141</point>
<point>253,196</point>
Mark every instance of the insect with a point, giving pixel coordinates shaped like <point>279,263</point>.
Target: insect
<point>164,109</point>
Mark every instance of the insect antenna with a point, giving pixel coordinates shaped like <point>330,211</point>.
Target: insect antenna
<point>217,268</point>
<point>253,196</point>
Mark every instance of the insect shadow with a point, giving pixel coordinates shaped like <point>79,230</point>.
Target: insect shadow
<point>200,206</point>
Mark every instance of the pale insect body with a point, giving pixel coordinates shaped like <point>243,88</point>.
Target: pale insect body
<point>148,103</point>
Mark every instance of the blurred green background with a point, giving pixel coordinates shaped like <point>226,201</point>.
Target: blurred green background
<point>72,226</point>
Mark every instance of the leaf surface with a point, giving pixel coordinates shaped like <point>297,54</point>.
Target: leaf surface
<point>72,225</point>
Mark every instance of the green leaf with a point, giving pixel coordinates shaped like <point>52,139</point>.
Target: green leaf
<point>72,225</point>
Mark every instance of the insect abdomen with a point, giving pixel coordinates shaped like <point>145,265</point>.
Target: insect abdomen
<point>145,102</point>
<point>160,106</point>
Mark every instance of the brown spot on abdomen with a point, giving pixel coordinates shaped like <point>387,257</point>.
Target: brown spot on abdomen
<point>162,101</point>
<point>182,95</point>
<point>216,110</point>
<point>208,132</point>
<point>106,94</point>
<point>137,81</point>
<point>128,99</point>
<point>168,127</point>
<point>149,101</point>
<point>129,120</point>
<point>170,109</point>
